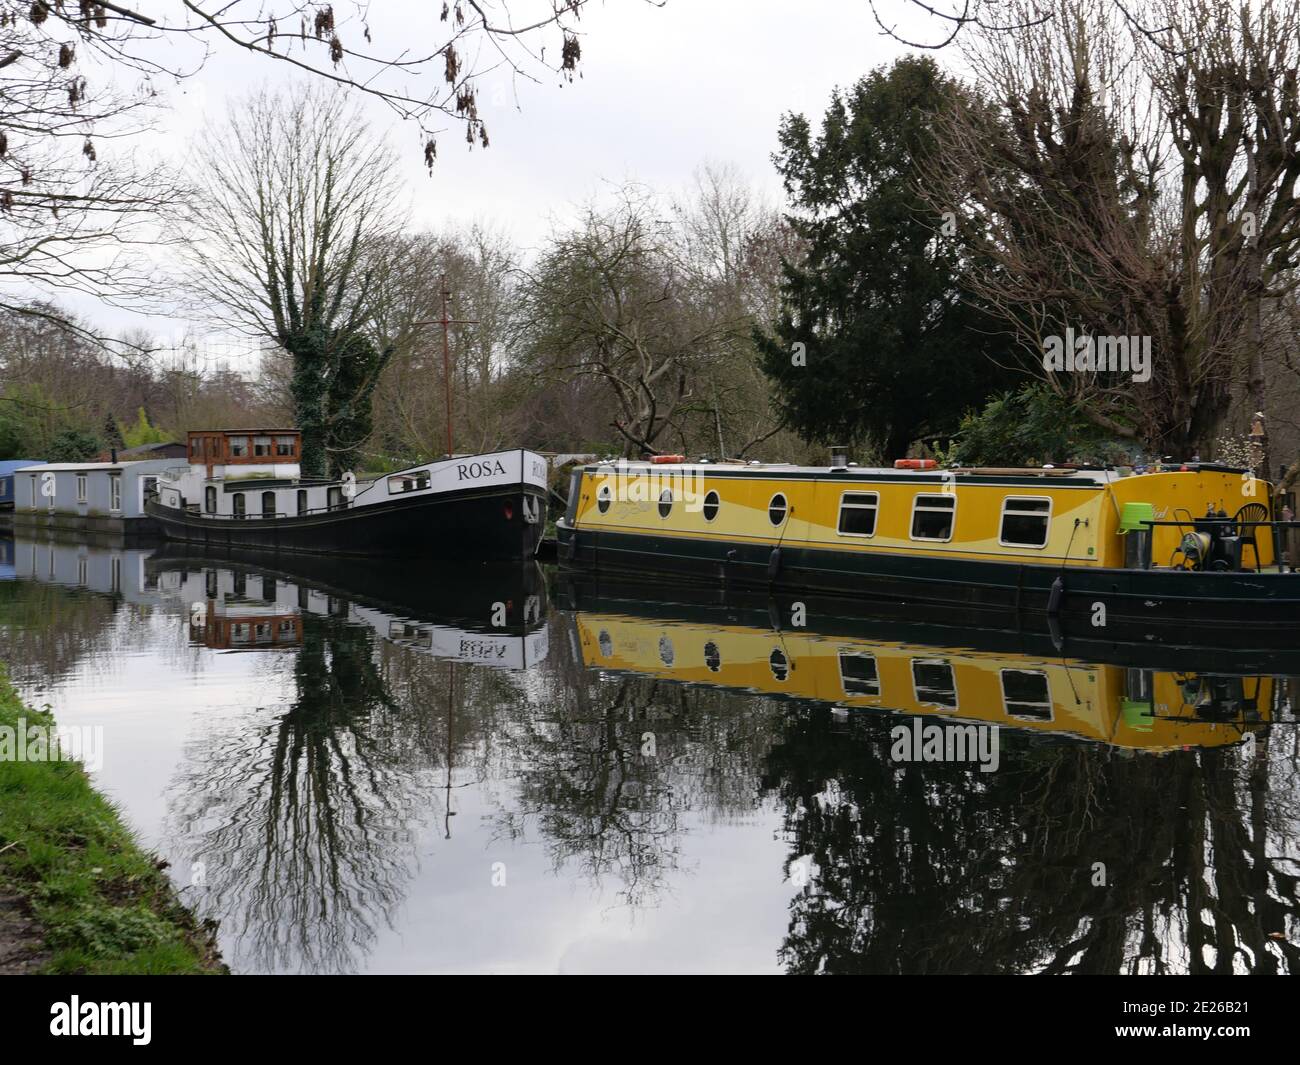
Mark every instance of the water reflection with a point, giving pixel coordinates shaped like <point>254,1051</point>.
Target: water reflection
<point>365,745</point>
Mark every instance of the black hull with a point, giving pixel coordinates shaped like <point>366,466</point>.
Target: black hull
<point>465,598</point>
<point>1242,610</point>
<point>484,525</point>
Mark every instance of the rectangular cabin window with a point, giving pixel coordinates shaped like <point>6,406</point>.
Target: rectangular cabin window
<point>196,448</point>
<point>33,489</point>
<point>81,488</point>
<point>261,447</point>
<point>115,492</point>
<point>933,517</point>
<point>302,501</point>
<point>210,499</point>
<point>413,481</point>
<point>237,504</point>
<point>858,513</point>
<point>858,674</point>
<point>238,447</point>
<point>1025,694</point>
<point>284,447</point>
<point>1025,521</point>
<point>334,498</point>
<point>268,504</point>
<point>934,682</point>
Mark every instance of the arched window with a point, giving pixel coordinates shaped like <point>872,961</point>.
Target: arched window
<point>237,504</point>
<point>268,504</point>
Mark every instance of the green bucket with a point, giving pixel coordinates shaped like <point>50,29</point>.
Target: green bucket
<point>1132,516</point>
<point>1137,714</point>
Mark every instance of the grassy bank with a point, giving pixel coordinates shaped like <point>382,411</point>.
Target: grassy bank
<point>77,894</point>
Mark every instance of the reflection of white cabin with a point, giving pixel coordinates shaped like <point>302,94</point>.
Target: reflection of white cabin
<point>234,610</point>
<point>117,571</point>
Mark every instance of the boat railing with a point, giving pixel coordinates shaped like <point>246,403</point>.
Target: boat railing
<point>263,515</point>
<point>1237,525</point>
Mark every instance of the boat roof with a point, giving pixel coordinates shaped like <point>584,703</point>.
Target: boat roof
<point>1078,476</point>
<point>65,467</point>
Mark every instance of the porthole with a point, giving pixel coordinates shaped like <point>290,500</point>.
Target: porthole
<point>776,510</point>
<point>780,664</point>
<point>603,498</point>
<point>665,502</point>
<point>711,504</point>
<point>712,657</point>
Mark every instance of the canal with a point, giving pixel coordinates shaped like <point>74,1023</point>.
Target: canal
<point>357,767</point>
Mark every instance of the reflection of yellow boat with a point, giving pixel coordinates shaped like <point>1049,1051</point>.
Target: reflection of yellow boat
<point>1132,708</point>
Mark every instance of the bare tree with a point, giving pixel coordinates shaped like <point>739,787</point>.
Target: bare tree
<point>288,232</point>
<point>607,300</point>
<point>1121,187</point>
<point>80,77</point>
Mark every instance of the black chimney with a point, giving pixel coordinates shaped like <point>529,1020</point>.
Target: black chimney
<point>113,456</point>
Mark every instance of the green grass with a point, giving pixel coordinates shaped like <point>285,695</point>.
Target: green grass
<point>103,904</point>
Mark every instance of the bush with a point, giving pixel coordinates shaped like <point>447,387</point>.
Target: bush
<point>73,445</point>
<point>1033,427</point>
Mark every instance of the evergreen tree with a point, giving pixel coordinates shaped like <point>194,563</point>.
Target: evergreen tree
<point>877,340</point>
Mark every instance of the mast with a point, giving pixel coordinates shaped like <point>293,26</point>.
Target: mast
<point>446,321</point>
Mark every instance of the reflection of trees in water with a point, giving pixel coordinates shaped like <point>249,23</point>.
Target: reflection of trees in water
<point>306,825</point>
<point>47,630</point>
<point>940,868</point>
<point>587,784</point>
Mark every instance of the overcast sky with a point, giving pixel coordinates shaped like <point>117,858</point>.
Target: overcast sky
<point>663,90</point>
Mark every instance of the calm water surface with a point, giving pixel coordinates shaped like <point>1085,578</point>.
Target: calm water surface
<point>365,768</point>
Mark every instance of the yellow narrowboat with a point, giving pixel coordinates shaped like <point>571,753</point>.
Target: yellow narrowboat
<point>1189,550</point>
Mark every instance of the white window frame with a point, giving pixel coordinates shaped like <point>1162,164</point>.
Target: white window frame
<point>115,493</point>
<point>917,506</point>
<point>1051,706</point>
<point>717,505</point>
<point>81,488</point>
<point>841,656</point>
<point>1027,514</point>
<point>839,514</point>
<point>952,672</point>
<point>34,492</point>
<point>418,481</point>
